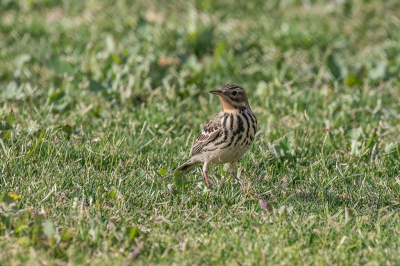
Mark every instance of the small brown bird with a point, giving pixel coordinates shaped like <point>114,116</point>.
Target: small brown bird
<point>227,136</point>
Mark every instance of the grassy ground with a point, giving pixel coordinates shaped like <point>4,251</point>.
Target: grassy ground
<point>99,100</point>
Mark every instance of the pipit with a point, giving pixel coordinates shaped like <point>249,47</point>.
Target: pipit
<point>227,136</point>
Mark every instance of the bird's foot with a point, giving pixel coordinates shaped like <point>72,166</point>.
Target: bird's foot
<point>252,196</point>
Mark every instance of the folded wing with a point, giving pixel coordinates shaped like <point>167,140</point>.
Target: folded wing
<point>209,133</point>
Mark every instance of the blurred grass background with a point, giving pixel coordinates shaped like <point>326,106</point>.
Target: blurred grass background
<point>100,99</point>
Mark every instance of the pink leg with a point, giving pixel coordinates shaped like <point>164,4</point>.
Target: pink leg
<point>205,173</point>
<point>232,168</point>
<point>232,171</point>
<point>234,175</point>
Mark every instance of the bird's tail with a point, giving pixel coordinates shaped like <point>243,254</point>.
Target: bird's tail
<point>186,167</point>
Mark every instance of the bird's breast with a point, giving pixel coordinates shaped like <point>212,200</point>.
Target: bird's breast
<point>237,134</point>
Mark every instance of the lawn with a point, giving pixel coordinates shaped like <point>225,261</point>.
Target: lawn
<point>100,100</point>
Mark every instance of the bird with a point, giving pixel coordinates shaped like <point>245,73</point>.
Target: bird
<point>227,136</point>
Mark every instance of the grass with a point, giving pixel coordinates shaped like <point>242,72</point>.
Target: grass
<point>99,100</point>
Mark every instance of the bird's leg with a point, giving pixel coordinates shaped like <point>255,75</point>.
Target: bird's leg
<point>232,169</point>
<point>240,182</point>
<point>205,173</point>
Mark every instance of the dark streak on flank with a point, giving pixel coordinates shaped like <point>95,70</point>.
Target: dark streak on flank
<point>230,142</point>
<point>231,120</point>
<point>240,124</point>
<point>240,129</point>
<point>207,150</point>
<point>233,133</point>
<point>248,124</point>
<point>226,132</point>
<point>254,123</point>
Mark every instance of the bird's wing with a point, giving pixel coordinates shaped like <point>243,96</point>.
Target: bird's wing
<point>207,134</point>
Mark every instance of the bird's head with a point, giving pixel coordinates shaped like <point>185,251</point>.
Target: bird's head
<point>232,97</point>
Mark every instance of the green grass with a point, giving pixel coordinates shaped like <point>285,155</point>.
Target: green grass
<point>99,98</point>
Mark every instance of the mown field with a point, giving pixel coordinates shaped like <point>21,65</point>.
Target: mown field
<point>100,100</point>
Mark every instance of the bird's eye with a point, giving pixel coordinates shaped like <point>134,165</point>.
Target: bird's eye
<point>234,93</point>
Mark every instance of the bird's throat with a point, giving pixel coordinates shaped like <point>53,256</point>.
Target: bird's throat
<point>229,105</point>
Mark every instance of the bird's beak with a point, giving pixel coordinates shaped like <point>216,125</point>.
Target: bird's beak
<point>216,92</point>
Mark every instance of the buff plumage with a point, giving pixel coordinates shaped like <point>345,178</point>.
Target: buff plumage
<point>227,136</point>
